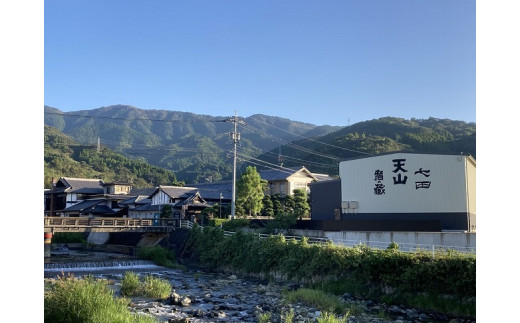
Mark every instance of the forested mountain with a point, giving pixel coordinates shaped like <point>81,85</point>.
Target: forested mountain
<point>63,157</point>
<point>196,148</point>
<point>432,135</point>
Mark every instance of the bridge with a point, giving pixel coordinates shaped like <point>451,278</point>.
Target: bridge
<point>54,225</point>
<point>102,224</point>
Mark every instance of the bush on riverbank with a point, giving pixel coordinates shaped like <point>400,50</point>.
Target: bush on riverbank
<point>317,299</point>
<point>87,301</point>
<point>360,270</point>
<point>159,255</point>
<point>130,284</point>
<point>69,237</point>
<point>151,286</point>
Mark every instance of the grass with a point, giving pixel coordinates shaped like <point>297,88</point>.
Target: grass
<point>159,255</point>
<point>156,287</point>
<point>437,303</point>
<point>316,298</point>
<point>326,317</point>
<point>87,301</point>
<point>264,317</point>
<point>288,316</point>
<point>151,286</point>
<point>130,284</point>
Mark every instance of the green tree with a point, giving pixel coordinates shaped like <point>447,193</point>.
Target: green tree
<point>277,204</point>
<point>166,211</point>
<point>210,213</point>
<point>267,209</point>
<point>301,204</point>
<point>250,191</point>
<point>289,204</point>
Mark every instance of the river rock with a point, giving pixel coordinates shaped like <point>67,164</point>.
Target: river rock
<point>175,298</point>
<point>185,301</point>
<point>179,320</point>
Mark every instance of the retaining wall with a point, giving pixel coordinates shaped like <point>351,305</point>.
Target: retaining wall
<point>426,240</point>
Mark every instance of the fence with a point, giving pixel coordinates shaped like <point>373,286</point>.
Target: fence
<point>406,247</point>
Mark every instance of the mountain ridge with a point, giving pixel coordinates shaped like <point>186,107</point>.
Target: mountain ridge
<point>196,147</point>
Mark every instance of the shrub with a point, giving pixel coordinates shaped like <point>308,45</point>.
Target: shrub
<point>69,237</point>
<point>361,270</point>
<point>317,299</point>
<point>159,255</point>
<point>264,317</point>
<point>152,286</point>
<point>288,316</point>
<point>156,287</point>
<point>217,222</point>
<point>87,301</point>
<point>130,285</point>
<point>326,317</point>
<point>233,225</point>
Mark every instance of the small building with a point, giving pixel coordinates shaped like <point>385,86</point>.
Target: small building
<point>68,191</point>
<point>215,192</point>
<point>410,190</point>
<point>285,180</point>
<point>186,203</point>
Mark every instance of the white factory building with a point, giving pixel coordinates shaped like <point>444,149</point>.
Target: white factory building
<point>411,189</point>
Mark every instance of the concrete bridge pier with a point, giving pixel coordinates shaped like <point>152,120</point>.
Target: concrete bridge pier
<point>47,239</point>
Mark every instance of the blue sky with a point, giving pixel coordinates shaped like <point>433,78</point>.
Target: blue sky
<point>322,62</point>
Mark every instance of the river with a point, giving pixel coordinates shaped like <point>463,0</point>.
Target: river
<point>214,296</point>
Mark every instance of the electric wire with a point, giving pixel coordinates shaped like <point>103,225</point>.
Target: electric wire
<point>158,150</point>
<point>290,144</point>
<point>314,140</point>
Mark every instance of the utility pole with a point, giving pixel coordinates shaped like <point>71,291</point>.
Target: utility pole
<point>235,136</point>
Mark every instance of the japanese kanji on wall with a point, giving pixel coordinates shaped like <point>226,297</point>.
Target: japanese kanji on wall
<point>406,183</point>
<point>399,177</point>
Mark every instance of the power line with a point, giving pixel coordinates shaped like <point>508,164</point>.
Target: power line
<point>247,126</point>
<point>314,140</point>
<point>149,150</point>
<point>291,145</point>
<point>270,165</point>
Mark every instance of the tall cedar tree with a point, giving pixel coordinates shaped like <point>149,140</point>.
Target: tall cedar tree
<point>277,204</point>
<point>301,205</point>
<point>267,208</point>
<point>250,191</point>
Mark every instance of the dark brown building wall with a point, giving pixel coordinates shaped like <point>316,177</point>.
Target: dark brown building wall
<point>325,198</point>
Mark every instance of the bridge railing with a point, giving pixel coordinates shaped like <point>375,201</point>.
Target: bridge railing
<point>186,224</point>
<point>98,222</point>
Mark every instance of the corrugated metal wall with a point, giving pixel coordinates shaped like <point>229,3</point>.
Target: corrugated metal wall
<point>405,183</point>
<point>325,198</point>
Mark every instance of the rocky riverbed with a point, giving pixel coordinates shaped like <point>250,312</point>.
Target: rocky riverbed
<point>200,296</point>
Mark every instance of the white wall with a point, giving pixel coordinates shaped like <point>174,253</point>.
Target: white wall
<point>446,191</point>
<point>471,173</point>
<point>425,240</point>
<point>160,198</point>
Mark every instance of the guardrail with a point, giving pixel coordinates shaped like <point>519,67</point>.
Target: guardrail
<point>406,247</point>
<point>98,224</point>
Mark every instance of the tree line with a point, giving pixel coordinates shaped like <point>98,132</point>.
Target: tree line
<point>251,201</point>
